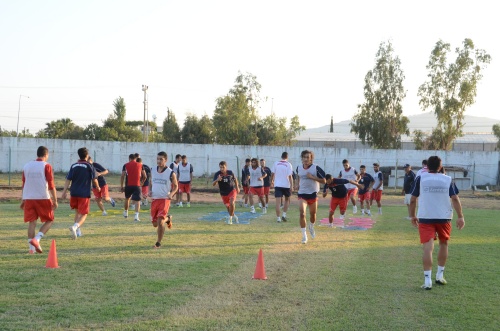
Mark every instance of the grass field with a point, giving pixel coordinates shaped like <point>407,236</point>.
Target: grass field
<point>201,278</point>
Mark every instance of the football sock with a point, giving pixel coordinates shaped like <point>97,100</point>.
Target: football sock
<point>284,214</point>
<point>303,231</point>
<point>136,215</point>
<point>440,272</point>
<point>427,277</point>
<point>39,236</point>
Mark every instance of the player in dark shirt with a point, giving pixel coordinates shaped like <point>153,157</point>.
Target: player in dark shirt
<point>229,189</point>
<point>339,195</point>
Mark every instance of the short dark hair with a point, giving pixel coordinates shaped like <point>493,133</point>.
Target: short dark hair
<point>328,176</point>
<point>424,162</point>
<point>42,151</point>
<point>306,151</point>
<point>163,154</point>
<point>344,161</point>
<point>262,159</point>
<point>284,155</point>
<point>223,163</point>
<point>178,156</point>
<point>131,157</point>
<point>83,153</point>
<point>138,160</point>
<point>247,160</point>
<point>137,155</point>
<point>362,166</point>
<point>433,163</point>
<point>254,159</point>
<point>183,157</point>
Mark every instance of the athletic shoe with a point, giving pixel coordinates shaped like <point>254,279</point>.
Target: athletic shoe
<point>31,251</point>
<point>369,213</point>
<point>169,221</point>
<point>278,220</point>
<point>157,245</point>
<point>112,202</point>
<point>362,212</point>
<point>330,225</point>
<point>104,213</point>
<point>311,230</point>
<point>264,210</point>
<point>125,213</point>
<point>180,205</point>
<point>425,287</point>
<point>441,281</point>
<point>252,210</point>
<point>230,221</point>
<point>72,229</point>
<point>36,244</point>
<point>136,219</point>
<point>354,209</point>
<point>188,204</point>
<point>283,218</point>
<point>260,205</point>
<point>342,217</point>
<point>304,238</point>
<point>236,219</point>
<point>79,233</point>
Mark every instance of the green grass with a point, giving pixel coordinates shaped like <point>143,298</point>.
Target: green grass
<point>201,278</point>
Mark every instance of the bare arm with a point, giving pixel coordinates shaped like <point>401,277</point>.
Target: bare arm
<point>457,205</point>
<point>413,211</point>
<point>175,186</point>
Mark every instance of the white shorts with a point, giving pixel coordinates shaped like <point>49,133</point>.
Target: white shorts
<point>407,199</point>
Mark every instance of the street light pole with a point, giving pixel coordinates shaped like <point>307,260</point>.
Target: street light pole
<point>19,112</point>
<point>144,128</point>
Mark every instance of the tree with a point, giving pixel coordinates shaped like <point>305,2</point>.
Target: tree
<point>171,132</point>
<point>451,88</point>
<point>197,131</point>
<point>235,117</point>
<point>496,132</point>
<point>60,129</point>
<point>115,127</point>
<point>379,121</point>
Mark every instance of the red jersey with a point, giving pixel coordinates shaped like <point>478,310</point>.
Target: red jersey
<point>133,170</point>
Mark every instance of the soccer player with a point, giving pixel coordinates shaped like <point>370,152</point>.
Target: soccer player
<point>364,193</point>
<point>267,182</point>
<point>435,212</point>
<point>244,183</point>
<point>350,173</point>
<point>81,176</point>
<point>339,195</point>
<point>39,197</point>
<point>409,179</point>
<point>162,188</point>
<point>255,179</point>
<point>229,189</point>
<point>104,192</point>
<point>378,187</point>
<point>185,177</point>
<point>309,177</point>
<point>423,169</point>
<point>174,165</point>
<point>145,185</point>
<point>282,180</point>
<point>132,188</point>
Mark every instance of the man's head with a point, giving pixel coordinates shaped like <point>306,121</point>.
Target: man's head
<point>407,168</point>
<point>254,162</point>
<point>223,166</point>
<point>328,178</point>
<point>136,155</point>
<point>42,152</point>
<point>434,163</point>
<point>362,169</point>
<point>161,159</point>
<point>424,163</point>
<point>83,153</point>
<point>284,156</point>
<point>307,157</point>
<point>262,163</point>
<point>138,160</point>
<point>132,157</point>
<point>345,163</point>
<point>376,166</point>
<point>178,158</point>
<point>184,159</point>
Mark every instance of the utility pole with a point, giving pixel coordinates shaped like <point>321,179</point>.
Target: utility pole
<point>145,126</point>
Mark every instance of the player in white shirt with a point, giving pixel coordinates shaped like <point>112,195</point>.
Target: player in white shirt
<point>423,169</point>
<point>350,173</point>
<point>282,181</point>
<point>256,177</point>
<point>378,187</point>
<point>185,177</point>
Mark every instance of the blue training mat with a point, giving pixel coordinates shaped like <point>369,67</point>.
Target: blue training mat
<point>243,218</point>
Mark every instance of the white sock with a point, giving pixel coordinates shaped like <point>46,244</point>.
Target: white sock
<point>279,219</point>
<point>380,209</point>
<point>427,277</point>
<point>284,214</point>
<point>303,231</point>
<point>39,236</point>
<point>32,248</point>
<point>76,225</point>
<point>136,215</point>
<point>440,272</point>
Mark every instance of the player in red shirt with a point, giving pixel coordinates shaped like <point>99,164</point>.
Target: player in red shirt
<point>132,186</point>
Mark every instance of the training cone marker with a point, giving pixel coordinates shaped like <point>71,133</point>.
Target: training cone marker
<point>52,260</point>
<point>260,270</point>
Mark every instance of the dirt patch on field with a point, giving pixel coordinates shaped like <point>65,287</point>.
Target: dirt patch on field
<point>212,196</point>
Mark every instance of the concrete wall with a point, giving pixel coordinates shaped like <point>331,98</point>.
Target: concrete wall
<point>15,152</point>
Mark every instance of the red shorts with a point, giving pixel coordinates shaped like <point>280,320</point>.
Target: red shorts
<point>259,191</point>
<point>429,230</point>
<point>102,194</point>
<point>352,192</point>
<point>246,189</point>
<point>364,197</point>
<point>340,202</point>
<point>266,190</point>
<point>145,190</point>
<point>226,199</point>
<point>159,209</point>
<point>376,195</point>
<point>82,205</point>
<point>184,188</point>
<point>309,201</point>
<point>34,209</point>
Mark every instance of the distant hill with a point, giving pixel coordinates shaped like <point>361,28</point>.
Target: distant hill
<point>424,122</point>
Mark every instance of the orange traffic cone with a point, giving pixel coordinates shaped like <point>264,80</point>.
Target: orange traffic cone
<point>52,260</point>
<point>260,270</point>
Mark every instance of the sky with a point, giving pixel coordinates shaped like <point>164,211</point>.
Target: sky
<point>72,59</point>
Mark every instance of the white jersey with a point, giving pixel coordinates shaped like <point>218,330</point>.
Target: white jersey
<point>254,177</point>
<point>420,171</point>
<point>282,170</point>
<point>184,172</point>
<point>351,174</point>
<point>378,180</point>
<point>161,183</point>
<point>434,199</point>
<point>306,185</point>
<point>35,186</point>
